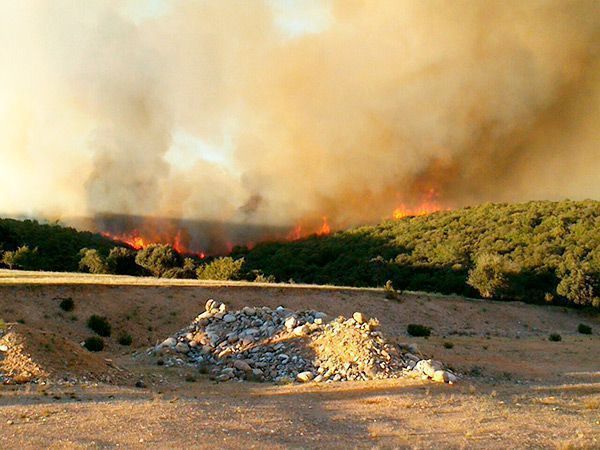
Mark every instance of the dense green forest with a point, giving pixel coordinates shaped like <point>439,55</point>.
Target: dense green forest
<point>535,252</point>
<point>57,246</point>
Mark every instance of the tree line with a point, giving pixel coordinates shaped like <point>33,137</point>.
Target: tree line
<point>541,252</point>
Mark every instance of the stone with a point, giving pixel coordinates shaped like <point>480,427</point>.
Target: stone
<point>305,377</point>
<point>223,377</point>
<point>169,342</point>
<point>428,367</point>
<point>204,315</point>
<point>359,318</point>
<point>242,365</point>
<point>257,344</point>
<point>210,304</point>
<point>255,375</point>
<point>301,331</point>
<point>182,347</point>
<point>249,311</point>
<point>3,348</point>
<point>290,322</point>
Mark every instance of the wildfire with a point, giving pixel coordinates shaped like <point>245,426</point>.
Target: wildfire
<point>427,206</point>
<point>325,229</point>
<point>135,240</point>
<point>300,232</point>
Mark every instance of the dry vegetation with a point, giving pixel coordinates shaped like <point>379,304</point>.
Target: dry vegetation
<point>519,387</point>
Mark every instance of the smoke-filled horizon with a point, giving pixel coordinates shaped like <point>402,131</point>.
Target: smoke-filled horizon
<point>267,112</point>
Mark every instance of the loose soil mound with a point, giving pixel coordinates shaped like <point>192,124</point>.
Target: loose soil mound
<point>29,355</point>
<point>283,345</point>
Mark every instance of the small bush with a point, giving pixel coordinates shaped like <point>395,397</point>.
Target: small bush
<point>99,325</point>
<point>417,330</point>
<point>22,258</point>
<point>2,325</point>
<point>555,337</point>
<point>92,261</point>
<point>225,268</point>
<point>448,345</point>
<point>584,329</point>
<point>390,292</point>
<point>67,304</point>
<point>94,344</point>
<point>158,259</point>
<point>125,339</point>
<point>488,275</point>
<point>262,278</point>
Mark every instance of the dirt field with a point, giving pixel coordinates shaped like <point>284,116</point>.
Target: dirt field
<point>519,389</point>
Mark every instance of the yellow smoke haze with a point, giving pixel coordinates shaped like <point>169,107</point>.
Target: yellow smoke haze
<point>379,104</point>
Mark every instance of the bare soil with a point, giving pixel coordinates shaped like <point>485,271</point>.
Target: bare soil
<point>518,388</point>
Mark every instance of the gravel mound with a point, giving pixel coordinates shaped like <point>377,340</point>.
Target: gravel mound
<point>29,355</point>
<point>281,345</point>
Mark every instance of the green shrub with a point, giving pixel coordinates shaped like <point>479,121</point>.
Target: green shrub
<point>22,258</point>
<point>67,304</point>
<point>584,329</point>
<point>121,261</point>
<point>488,275</point>
<point>555,337</point>
<point>448,345</point>
<point>417,330</point>
<point>158,259</point>
<point>125,339</point>
<point>94,344</point>
<point>578,285</point>
<point>262,278</point>
<point>99,325</point>
<point>225,268</point>
<point>2,325</point>
<point>92,261</point>
<point>390,292</point>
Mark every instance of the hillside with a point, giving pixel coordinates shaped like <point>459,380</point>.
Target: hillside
<point>57,246</point>
<point>536,252</point>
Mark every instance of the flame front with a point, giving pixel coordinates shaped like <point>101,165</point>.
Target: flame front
<point>135,240</point>
<point>429,205</point>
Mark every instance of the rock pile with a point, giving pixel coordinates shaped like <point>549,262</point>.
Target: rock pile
<point>281,345</point>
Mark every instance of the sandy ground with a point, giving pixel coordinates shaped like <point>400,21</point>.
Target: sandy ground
<point>519,389</point>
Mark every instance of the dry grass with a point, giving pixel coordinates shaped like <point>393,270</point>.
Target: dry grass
<point>554,404</point>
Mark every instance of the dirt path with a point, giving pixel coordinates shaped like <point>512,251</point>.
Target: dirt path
<point>521,390</point>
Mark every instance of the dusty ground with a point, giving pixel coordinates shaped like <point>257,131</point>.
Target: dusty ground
<point>520,390</point>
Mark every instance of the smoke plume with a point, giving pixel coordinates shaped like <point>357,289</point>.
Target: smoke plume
<point>343,109</point>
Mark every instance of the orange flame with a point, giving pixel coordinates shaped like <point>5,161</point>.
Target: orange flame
<point>325,229</point>
<point>428,206</point>
<point>135,240</point>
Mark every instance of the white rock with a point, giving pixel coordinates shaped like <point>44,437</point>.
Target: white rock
<point>169,342</point>
<point>305,376</point>
<point>3,348</point>
<point>359,317</point>
<point>428,367</point>
<point>210,304</point>
<point>290,323</point>
<point>302,330</point>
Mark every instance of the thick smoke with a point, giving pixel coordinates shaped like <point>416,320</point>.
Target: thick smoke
<point>383,104</point>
